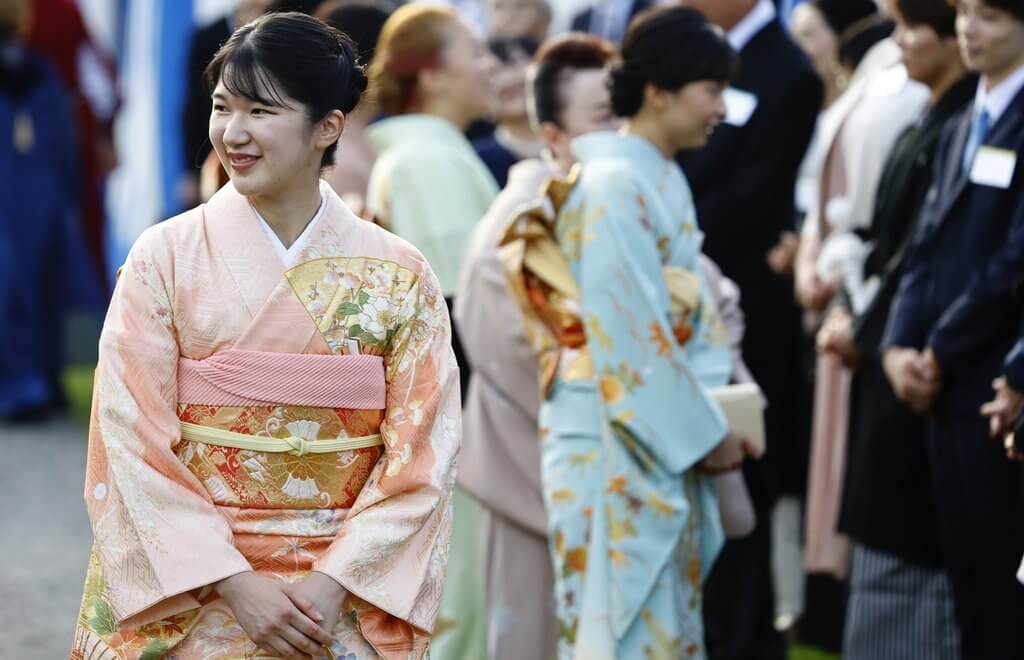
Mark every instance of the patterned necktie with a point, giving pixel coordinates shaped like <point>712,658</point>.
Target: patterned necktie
<point>979,131</point>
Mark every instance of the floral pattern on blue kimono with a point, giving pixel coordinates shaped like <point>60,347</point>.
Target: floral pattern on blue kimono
<point>633,528</point>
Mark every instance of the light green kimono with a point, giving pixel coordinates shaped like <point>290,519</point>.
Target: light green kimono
<point>429,187</point>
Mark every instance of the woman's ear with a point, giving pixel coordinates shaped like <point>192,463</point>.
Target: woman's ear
<point>331,128</point>
<point>655,97</point>
<point>552,135</point>
<point>431,82</point>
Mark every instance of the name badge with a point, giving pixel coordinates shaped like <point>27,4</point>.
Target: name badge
<point>739,106</point>
<point>993,167</point>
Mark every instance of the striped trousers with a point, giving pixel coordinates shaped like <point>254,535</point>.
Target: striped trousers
<point>898,611</point>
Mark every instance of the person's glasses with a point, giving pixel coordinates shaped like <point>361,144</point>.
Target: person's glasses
<point>507,48</point>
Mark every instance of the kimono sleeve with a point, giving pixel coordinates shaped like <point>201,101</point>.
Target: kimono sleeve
<point>392,550</point>
<point>158,535</point>
<point>653,399</point>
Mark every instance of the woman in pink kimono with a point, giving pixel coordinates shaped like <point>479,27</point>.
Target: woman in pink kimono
<point>276,414</point>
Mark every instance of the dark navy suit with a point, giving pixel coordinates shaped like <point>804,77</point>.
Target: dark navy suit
<point>1014,367</point>
<point>960,296</point>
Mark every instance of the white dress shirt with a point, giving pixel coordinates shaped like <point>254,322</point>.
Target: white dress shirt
<point>998,99</point>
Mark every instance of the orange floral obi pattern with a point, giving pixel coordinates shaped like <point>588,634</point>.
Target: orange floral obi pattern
<point>271,480</point>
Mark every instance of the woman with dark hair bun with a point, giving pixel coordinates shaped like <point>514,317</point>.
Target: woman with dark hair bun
<point>350,176</point>
<point>276,417</point>
<point>630,343</point>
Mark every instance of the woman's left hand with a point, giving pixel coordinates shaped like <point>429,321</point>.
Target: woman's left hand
<point>836,337</point>
<point>325,593</point>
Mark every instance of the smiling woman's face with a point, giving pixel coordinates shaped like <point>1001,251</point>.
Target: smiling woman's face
<point>264,148</point>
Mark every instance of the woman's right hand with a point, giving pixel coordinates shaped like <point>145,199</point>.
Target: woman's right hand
<point>812,293</point>
<point>279,623</point>
<point>728,455</point>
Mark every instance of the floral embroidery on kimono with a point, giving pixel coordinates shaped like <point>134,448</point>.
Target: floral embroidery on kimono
<point>629,339</point>
<point>172,515</point>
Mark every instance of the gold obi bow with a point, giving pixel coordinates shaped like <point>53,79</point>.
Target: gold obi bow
<point>542,280</point>
<point>684,299</point>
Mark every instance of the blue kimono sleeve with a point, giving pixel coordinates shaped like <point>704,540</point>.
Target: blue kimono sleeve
<point>653,399</point>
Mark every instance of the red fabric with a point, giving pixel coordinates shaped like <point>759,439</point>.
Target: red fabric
<point>58,33</point>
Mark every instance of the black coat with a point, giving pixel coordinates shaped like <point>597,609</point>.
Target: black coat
<point>196,116</point>
<point>743,183</point>
<point>959,291</point>
<point>888,503</point>
<point>959,295</point>
<point>581,21</point>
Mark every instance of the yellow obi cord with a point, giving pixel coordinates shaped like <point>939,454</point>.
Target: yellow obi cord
<point>293,445</point>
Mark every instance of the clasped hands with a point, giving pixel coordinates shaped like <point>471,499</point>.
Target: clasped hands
<point>916,376</point>
<point>294,621</point>
<point>836,338</point>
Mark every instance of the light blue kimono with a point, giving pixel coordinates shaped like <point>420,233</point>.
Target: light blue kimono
<point>633,528</point>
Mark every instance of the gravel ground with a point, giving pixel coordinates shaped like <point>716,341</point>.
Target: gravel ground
<point>44,538</point>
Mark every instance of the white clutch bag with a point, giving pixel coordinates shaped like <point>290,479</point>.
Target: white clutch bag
<point>743,405</point>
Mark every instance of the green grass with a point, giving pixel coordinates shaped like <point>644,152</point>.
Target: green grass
<point>807,653</point>
<point>77,382</point>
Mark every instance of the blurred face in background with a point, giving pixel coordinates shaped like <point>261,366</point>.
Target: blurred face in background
<point>814,36</point>
<point>927,55</point>
<point>586,107</point>
<point>691,114</point>
<point>466,74</point>
<point>510,80</point>
<point>520,18</point>
<point>588,103</point>
<point>991,39</point>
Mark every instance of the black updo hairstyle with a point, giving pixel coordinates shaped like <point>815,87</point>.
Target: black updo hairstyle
<point>294,55</point>
<point>669,47</point>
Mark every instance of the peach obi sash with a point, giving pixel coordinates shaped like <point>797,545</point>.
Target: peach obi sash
<point>247,378</point>
<point>281,431</point>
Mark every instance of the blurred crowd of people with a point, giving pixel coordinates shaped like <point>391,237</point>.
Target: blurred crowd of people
<point>861,231</point>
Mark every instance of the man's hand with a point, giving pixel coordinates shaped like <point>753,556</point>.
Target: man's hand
<point>1003,409</point>
<point>280,622</point>
<point>1011,449</point>
<point>915,377</point>
<point>812,292</point>
<point>325,595</point>
<point>782,258</point>
<point>836,337</point>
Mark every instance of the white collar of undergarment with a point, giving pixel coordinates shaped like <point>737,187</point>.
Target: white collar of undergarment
<point>289,255</point>
<point>999,98</point>
<point>760,16</point>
